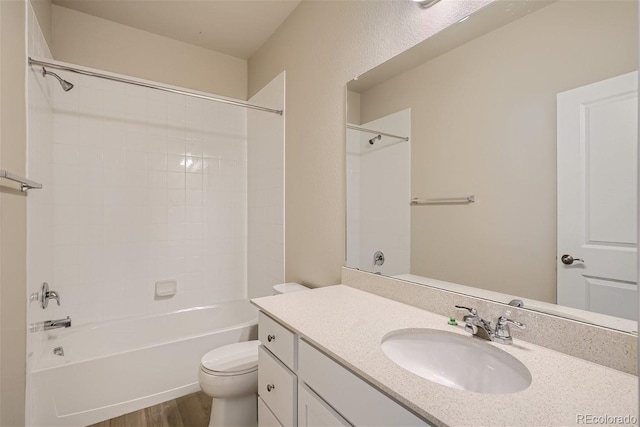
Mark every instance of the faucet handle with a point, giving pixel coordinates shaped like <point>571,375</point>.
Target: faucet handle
<point>469,319</point>
<point>46,295</point>
<point>53,295</point>
<point>472,311</point>
<point>503,332</point>
<point>503,321</point>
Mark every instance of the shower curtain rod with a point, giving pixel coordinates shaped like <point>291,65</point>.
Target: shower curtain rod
<point>152,86</point>
<point>377,132</point>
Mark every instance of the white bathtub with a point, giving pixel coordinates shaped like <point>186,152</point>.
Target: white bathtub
<point>113,368</point>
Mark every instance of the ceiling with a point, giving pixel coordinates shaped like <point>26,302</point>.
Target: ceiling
<point>235,27</point>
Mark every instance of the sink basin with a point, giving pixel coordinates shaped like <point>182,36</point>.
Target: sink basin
<point>456,361</point>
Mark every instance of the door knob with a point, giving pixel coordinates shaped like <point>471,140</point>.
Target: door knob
<point>568,259</point>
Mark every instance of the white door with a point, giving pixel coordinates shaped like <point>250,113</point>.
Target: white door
<point>597,196</point>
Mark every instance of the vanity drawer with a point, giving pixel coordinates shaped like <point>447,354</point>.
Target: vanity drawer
<point>279,340</point>
<point>353,398</point>
<point>265,416</point>
<point>277,386</point>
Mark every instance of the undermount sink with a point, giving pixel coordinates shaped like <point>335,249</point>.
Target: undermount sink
<point>456,361</point>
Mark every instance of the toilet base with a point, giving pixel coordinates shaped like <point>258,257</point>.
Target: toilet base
<point>234,411</point>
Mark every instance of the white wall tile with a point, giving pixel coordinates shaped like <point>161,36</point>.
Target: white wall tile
<point>65,128</point>
<point>156,179</point>
<point>176,145</point>
<point>156,162</point>
<point>176,163</point>
<point>89,99</point>
<point>114,100</point>
<point>114,159</point>
<point>130,171</point>
<point>136,108</point>
<point>157,138</point>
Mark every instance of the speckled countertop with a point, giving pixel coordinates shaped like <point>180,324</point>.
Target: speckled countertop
<point>349,325</point>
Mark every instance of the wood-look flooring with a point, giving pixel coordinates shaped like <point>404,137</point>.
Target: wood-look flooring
<point>192,410</point>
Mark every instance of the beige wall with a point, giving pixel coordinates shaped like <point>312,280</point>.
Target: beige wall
<point>95,42</point>
<point>12,214</point>
<point>42,9</point>
<point>484,123</point>
<point>322,45</point>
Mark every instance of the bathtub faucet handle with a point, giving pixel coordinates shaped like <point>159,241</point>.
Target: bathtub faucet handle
<point>54,295</point>
<point>46,295</point>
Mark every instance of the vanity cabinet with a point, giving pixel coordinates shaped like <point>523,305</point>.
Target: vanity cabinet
<point>277,382</point>
<point>298,385</point>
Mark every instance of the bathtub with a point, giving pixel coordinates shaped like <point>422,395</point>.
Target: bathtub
<point>116,367</point>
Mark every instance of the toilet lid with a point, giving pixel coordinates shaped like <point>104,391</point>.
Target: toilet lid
<point>286,288</point>
<point>232,359</point>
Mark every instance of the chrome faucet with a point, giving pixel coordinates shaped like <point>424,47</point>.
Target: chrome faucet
<point>476,325</point>
<point>479,327</point>
<point>503,332</point>
<point>46,295</point>
<point>55,324</point>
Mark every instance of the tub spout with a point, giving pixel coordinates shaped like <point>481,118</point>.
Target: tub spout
<point>55,324</point>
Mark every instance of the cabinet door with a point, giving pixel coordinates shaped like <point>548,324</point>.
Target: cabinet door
<point>265,416</point>
<point>314,412</point>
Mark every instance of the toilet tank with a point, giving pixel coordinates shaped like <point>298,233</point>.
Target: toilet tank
<point>285,288</point>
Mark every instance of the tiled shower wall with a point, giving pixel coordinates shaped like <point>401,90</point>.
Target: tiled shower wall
<point>39,202</point>
<point>147,186</point>
<point>140,186</point>
<point>39,169</point>
<point>378,214</point>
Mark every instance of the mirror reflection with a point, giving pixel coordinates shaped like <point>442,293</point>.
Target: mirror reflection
<point>522,148</point>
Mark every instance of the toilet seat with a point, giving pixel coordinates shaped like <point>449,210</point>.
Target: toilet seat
<point>233,359</point>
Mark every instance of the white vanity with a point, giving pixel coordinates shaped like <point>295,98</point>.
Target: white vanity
<point>321,364</point>
<point>300,385</point>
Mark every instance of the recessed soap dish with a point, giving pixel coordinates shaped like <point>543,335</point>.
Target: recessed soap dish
<point>166,288</point>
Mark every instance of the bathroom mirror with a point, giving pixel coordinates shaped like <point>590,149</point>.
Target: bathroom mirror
<point>476,125</point>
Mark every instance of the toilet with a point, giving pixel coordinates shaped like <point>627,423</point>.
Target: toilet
<point>229,375</point>
<point>285,288</point>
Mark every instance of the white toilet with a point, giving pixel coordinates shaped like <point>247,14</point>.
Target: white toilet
<point>285,288</point>
<point>229,374</point>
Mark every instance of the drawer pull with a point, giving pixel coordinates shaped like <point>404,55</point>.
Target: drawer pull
<point>270,387</point>
<point>271,338</point>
